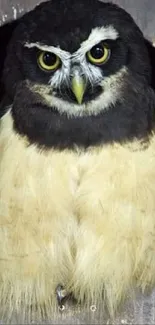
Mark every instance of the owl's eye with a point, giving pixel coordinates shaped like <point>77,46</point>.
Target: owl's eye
<point>99,54</point>
<point>48,61</point>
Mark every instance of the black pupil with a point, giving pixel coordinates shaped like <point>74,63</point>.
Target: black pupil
<point>49,58</point>
<point>97,52</point>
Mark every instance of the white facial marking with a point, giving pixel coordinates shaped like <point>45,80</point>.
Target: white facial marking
<point>61,75</point>
<point>112,88</point>
<point>63,55</point>
<point>89,71</point>
<point>96,36</point>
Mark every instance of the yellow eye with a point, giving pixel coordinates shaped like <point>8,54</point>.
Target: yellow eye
<point>48,61</point>
<point>99,54</point>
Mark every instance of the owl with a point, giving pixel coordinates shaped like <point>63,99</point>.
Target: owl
<point>77,158</point>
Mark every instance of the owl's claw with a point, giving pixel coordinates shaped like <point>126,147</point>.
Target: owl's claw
<point>61,294</point>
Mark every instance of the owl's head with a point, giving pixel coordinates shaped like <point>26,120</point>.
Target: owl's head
<point>88,63</point>
<point>77,54</point>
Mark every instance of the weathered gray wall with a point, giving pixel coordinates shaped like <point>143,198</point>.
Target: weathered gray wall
<point>142,10</point>
<point>11,9</point>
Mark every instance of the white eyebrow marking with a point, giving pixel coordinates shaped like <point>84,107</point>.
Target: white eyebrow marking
<point>96,36</point>
<point>62,74</point>
<point>92,73</point>
<point>63,55</point>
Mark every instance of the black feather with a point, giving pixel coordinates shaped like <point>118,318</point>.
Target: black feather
<point>6,32</point>
<point>45,126</point>
<point>151,52</point>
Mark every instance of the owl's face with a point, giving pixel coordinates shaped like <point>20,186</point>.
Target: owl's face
<point>77,54</point>
<point>87,61</point>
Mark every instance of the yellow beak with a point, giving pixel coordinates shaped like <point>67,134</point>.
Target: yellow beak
<point>78,88</point>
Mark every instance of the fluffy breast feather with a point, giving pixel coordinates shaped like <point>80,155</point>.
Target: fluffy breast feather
<point>83,219</point>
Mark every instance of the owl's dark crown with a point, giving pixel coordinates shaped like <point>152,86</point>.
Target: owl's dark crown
<point>67,23</point>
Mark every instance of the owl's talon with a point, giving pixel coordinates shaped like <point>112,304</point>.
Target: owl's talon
<point>61,294</point>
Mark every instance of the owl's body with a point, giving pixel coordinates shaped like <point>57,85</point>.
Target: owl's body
<point>77,180</point>
<point>84,219</point>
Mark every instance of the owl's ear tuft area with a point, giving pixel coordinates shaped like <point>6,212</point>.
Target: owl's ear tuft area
<point>151,51</point>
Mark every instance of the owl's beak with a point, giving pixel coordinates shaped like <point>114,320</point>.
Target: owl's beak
<point>78,86</point>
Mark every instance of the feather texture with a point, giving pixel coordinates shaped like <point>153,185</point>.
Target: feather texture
<point>85,219</point>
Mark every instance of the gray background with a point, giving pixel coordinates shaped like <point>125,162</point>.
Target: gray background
<point>141,309</point>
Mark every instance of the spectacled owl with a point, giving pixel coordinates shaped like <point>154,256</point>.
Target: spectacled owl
<point>77,158</point>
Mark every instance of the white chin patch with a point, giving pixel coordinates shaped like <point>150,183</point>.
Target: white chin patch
<point>112,87</point>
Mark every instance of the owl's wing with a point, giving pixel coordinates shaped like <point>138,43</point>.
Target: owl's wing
<point>151,50</point>
<point>5,35</point>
